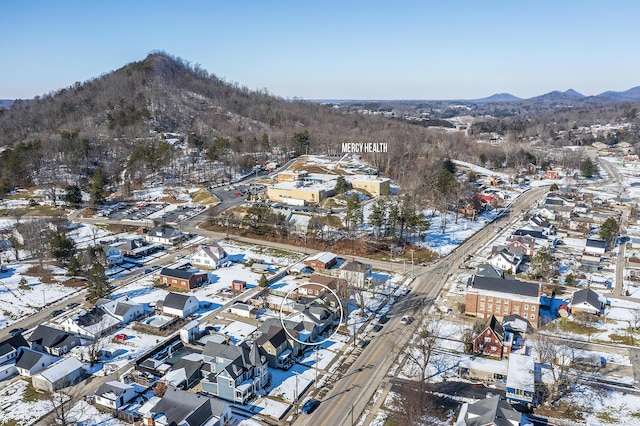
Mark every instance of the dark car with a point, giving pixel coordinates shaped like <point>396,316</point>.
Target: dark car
<point>310,406</point>
<point>57,312</point>
<point>377,328</point>
<point>16,331</point>
<point>72,305</point>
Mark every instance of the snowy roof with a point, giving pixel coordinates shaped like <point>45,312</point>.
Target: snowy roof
<point>588,296</point>
<point>492,411</point>
<point>179,273</point>
<point>61,369</point>
<point>501,285</point>
<point>520,372</point>
<point>113,389</point>
<point>176,300</point>
<point>323,256</point>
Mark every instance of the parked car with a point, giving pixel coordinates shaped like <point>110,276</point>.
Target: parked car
<point>72,305</point>
<point>57,312</point>
<point>237,194</point>
<point>406,320</point>
<point>16,331</point>
<point>377,328</point>
<point>310,406</point>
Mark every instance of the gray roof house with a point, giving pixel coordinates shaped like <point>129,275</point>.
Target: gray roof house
<point>59,375</point>
<point>54,341</point>
<point>279,347</point>
<point>185,373</point>
<point>234,373</point>
<point>9,348</point>
<point>587,300</point>
<point>178,407</point>
<point>164,235</point>
<point>490,411</point>
<point>180,305</point>
<point>29,361</point>
<point>114,394</point>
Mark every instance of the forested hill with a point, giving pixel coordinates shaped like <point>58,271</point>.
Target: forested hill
<point>113,120</point>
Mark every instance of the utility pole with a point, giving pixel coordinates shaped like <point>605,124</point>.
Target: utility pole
<point>412,274</point>
<point>316,367</point>
<point>44,299</point>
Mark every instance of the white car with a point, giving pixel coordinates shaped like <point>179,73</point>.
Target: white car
<point>406,320</point>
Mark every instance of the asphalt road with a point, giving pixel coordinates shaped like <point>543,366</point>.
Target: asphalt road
<point>350,395</point>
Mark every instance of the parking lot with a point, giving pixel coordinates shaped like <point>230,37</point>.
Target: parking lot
<point>164,212</point>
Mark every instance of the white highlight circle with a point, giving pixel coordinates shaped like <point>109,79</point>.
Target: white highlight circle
<point>311,343</point>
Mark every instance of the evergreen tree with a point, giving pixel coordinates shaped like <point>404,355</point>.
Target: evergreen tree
<point>263,282</point>
<point>342,185</point>
<point>588,168</point>
<point>62,247</point>
<point>96,198</point>
<point>98,285</point>
<point>609,231</point>
<point>73,196</point>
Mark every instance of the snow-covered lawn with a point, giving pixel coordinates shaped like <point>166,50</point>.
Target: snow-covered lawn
<point>269,407</point>
<point>291,383</point>
<point>25,408</point>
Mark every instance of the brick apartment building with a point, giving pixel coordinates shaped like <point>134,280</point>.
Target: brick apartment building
<point>500,297</point>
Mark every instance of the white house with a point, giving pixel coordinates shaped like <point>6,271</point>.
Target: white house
<point>59,375</point>
<point>29,362</point>
<point>506,260</point>
<point>113,255</point>
<point>121,309</point>
<point>180,305</point>
<point>211,256</point>
<point>243,310</point>
<point>164,235</point>
<point>9,348</point>
<point>114,394</point>
<point>355,273</point>
<point>91,323</point>
<point>587,300</point>
<point>595,246</point>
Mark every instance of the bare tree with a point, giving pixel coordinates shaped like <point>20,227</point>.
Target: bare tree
<point>424,345</point>
<point>557,359</point>
<point>64,408</point>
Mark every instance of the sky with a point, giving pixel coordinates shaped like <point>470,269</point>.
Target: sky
<point>357,49</point>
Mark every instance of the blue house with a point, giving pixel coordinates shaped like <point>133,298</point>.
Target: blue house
<point>234,373</point>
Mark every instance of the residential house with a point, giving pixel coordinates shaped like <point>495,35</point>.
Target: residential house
<point>114,394</point>
<point>588,301</point>
<point>121,309</point>
<point>186,372</point>
<point>92,323</point>
<point>136,248</point>
<point>112,255</point>
<point>507,258</point>
<point>9,348</point>
<point>180,305</point>
<point>489,199</point>
<point>210,256</point>
<point>536,234</point>
<point>589,263</point>
<point>279,348</point>
<point>30,361</point>
<point>492,411</point>
<point>312,289</point>
<point>314,312</point>
<point>238,285</point>
<point>304,331</point>
<point>538,221</point>
<point>59,375</point>
<point>355,273</point>
<point>165,235</point>
<point>321,260</point>
<point>243,310</point>
<point>551,174</point>
<point>490,340</point>
<point>53,341</point>
<point>179,407</point>
<point>234,373</point>
<point>181,278</point>
<point>486,296</point>
<point>526,243</point>
<point>490,271</point>
<point>596,247</point>
<point>521,380</point>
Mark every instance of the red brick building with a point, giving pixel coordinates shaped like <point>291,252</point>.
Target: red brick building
<point>491,340</point>
<point>487,296</point>
<point>322,260</point>
<point>182,279</point>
